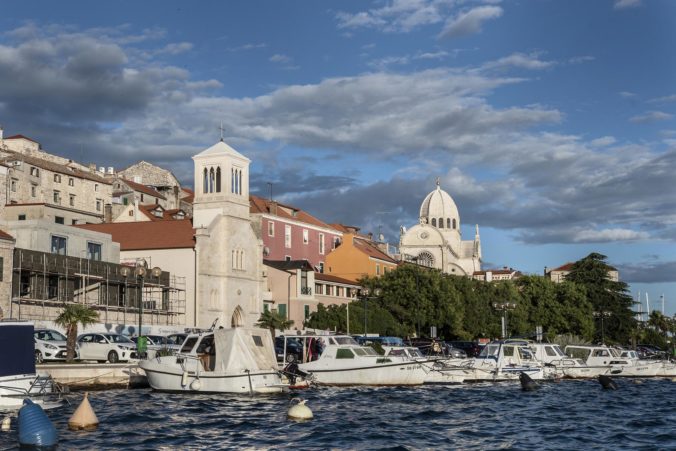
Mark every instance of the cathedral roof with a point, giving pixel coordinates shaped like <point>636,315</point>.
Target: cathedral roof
<point>439,204</point>
<point>221,148</point>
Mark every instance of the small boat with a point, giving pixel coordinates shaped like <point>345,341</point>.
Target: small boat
<point>237,360</point>
<point>611,362</point>
<point>665,368</point>
<point>340,360</point>
<point>559,365</point>
<point>504,360</point>
<point>19,379</point>
<point>441,369</point>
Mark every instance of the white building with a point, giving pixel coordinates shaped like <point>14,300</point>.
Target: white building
<point>437,242</point>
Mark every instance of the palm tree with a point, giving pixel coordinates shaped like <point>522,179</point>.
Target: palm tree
<point>271,319</point>
<point>70,317</point>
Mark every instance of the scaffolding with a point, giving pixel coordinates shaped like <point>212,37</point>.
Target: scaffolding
<point>42,284</point>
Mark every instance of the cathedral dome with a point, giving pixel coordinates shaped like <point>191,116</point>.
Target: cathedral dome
<point>439,210</point>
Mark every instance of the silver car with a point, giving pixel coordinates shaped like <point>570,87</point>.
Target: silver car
<point>105,347</point>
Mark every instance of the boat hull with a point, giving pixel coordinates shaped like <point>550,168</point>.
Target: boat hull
<point>404,373</point>
<point>168,378</point>
<point>38,388</point>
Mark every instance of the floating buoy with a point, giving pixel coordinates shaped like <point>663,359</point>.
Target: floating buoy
<point>638,381</point>
<point>608,383</point>
<point>34,426</point>
<point>196,385</point>
<point>6,423</point>
<point>84,417</point>
<point>300,411</point>
<point>184,379</point>
<point>527,383</point>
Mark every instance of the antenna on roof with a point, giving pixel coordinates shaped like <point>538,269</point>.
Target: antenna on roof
<point>270,187</point>
<point>221,129</point>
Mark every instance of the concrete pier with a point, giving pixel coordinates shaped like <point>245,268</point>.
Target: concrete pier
<point>92,376</point>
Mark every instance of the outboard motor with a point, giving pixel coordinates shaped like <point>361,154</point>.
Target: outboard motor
<point>527,384</point>
<point>608,383</point>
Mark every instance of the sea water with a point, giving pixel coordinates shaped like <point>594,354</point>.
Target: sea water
<point>641,414</point>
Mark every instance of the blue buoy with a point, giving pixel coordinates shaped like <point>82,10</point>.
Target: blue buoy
<point>34,426</point>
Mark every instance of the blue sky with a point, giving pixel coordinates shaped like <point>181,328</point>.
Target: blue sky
<point>551,123</point>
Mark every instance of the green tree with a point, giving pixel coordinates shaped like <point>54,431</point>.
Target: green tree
<point>69,318</point>
<point>609,299</point>
<point>271,319</point>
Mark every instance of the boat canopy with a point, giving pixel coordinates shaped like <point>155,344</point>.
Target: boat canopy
<point>17,348</point>
<point>240,349</point>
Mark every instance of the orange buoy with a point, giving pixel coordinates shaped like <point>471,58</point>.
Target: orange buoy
<point>84,417</point>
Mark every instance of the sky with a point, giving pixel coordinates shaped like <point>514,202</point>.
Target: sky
<point>550,123</point>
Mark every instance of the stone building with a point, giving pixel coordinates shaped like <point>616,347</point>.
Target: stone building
<point>229,248</point>
<point>436,241</point>
<point>6,261</point>
<point>160,180</point>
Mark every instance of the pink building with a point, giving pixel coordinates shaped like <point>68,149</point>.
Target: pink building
<point>292,234</point>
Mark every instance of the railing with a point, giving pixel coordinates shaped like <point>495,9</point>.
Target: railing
<point>306,290</point>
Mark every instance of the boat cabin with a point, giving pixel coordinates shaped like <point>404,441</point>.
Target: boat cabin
<point>596,355</point>
<point>508,353</point>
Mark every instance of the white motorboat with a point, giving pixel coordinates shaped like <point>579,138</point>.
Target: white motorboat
<point>441,370</point>
<point>609,359</point>
<point>18,377</point>
<point>504,361</point>
<point>340,360</point>
<point>238,360</point>
<point>559,365</point>
<point>665,368</point>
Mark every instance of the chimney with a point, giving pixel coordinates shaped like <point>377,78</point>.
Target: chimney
<point>111,170</point>
<point>92,167</point>
<point>273,208</point>
<point>108,213</point>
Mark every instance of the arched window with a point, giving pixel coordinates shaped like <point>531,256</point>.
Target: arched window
<point>205,188</point>
<point>448,223</point>
<point>434,222</point>
<point>218,179</point>
<point>441,223</point>
<point>455,226</point>
<point>426,259</point>
<point>240,182</point>
<point>212,180</point>
<point>232,180</point>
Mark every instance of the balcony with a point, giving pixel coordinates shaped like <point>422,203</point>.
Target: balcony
<point>307,291</point>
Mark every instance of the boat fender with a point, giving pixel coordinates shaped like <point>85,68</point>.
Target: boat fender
<point>184,379</point>
<point>196,385</point>
<point>299,411</point>
<point>84,417</point>
<point>6,422</point>
<point>608,383</point>
<point>34,426</point>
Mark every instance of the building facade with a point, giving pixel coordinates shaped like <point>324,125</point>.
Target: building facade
<point>356,257</point>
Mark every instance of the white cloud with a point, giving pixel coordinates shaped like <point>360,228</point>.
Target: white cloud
<point>248,46</point>
<point>651,116</point>
<point>469,22</point>
<point>176,48</point>
<point>580,59</point>
<point>603,141</point>
<point>627,94</point>
<point>664,99</point>
<point>398,16</point>
<point>520,60</point>
<point>280,58</point>
<point>608,235</point>
<point>625,4</point>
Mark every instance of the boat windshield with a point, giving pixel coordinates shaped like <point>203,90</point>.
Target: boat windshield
<point>345,341</point>
<point>490,351</point>
<point>189,344</point>
<point>559,351</point>
<point>526,354</point>
<point>414,352</point>
<point>368,350</point>
<point>614,352</point>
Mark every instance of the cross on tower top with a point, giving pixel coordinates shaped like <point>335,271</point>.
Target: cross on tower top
<point>438,181</point>
<point>221,129</point>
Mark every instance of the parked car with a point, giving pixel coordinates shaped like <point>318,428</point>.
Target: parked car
<point>454,352</point>
<point>177,339</point>
<point>471,348</point>
<point>50,345</point>
<point>106,347</point>
<point>156,343</point>
<point>294,349</point>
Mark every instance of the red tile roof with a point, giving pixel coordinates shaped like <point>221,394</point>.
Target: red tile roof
<point>371,251</point>
<point>22,137</point>
<point>566,267</point>
<point>56,167</point>
<point>265,206</point>
<point>6,236</point>
<point>329,278</point>
<point>167,215</point>
<point>148,235</point>
<point>143,189</point>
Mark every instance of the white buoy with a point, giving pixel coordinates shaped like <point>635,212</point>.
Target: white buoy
<point>84,417</point>
<point>300,411</point>
<point>6,423</point>
<point>184,379</point>
<point>196,385</point>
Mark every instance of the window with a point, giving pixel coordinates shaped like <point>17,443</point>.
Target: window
<point>448,223</point>
<point>271,228</point>
<point>22,217</point>
<point>306,311</point>
<point>441,223</point>
<point>35,172</point>
<point>33,190</point>
<point>59,220</point>
<point>287,258</point>
<point>57,178</point>
<point>306,238</point>
<point>321,244</point>
<point>344,353</point>
<point>287,236</point>
<point>266,307</point>
<point>304,288</point>
<point>58,245</point>
<point>377,269</point>
<point>319,288</point>
<point>73,221</point>
<point>281,309</point>
<point>321,267</point>
<point>71,201</point>
<point>2,268</point>
<point>98,204</point>
<point>258,341</point>
<point>13,185</point>
<point>454,225</point>
<point>434,222</point>
<point>141,197</point>
<point>96,186</point>
<point>93,251</point>
<point>550,351</point>
<point>57,197</point>
<point>131,212</point>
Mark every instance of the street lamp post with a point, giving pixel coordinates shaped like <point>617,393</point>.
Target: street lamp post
<point>365,294</point>
<point>602,314</point>
<point>504,307</point>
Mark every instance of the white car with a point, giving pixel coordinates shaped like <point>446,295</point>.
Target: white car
<point>50,345</point>
<point>105,347</point>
